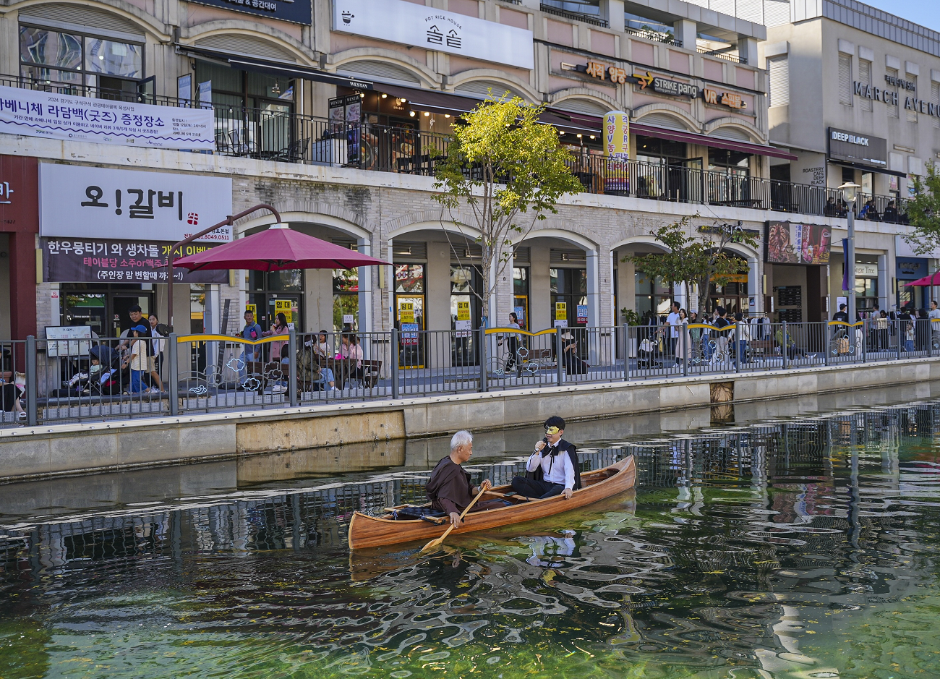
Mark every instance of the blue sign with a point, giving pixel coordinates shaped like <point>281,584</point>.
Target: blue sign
<point>296,11</point>
<point>911,268</point>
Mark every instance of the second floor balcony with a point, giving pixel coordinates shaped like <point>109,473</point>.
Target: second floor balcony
<point>272,134</point>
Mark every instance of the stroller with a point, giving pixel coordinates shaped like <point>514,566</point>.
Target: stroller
<point>649,352</point>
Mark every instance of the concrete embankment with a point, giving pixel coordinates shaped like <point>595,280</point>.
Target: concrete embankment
<point>54,450</point>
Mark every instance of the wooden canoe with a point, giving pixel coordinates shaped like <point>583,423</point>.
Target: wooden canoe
<point>369,531</point>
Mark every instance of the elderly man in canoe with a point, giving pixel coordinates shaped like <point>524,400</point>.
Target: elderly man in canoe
<point>449,488</point>
<point>553,468</point>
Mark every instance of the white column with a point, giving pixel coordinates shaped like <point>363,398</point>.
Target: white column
<point>593,288</point>
<point>884,283</point>
<point>612,10</point>
<point>390,282</point>
<point>365,288</point>
<point>686,32</point>
<point>754,287</point>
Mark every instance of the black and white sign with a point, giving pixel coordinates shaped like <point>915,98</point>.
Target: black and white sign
<point>435,29</point>
<point>855,148</point>
<point>296,11</point>
<point>91,202</point>
<point>675,88</point>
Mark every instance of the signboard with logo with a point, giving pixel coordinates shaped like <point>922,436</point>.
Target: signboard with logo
<point>863,270</point>
<point>861,149</point>
<point>463,311</point>
<point>406,312</point>
<point>616,137</point>
<point>284,306</point>
<point>81,202</point>
<point>582,313</point>
<point>104,121</point>
<point>435,29</point>
<point>295,11</point>
<point>789,243</point>
<point>409,334</point>
<point>729,99</point>
<point>346,115</point>
<point>93,260</point>
<point>910,268</point>
<point>561,310</point>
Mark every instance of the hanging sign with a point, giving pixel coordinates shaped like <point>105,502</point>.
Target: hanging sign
<point>295,11</point>
<point>409,334</point>
<point>348,319</point>
<point>616,137</point>
<point>284,306</point>
<point>582,313</point>
<point>463,311</point>
<point>104,121</point>
<point>561,310</point>
<point>406,312</point>
<point>435,29</point>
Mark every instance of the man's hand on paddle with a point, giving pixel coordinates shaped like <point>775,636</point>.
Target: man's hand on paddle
<point>455,518</point>
<point>567,493</point>
<point>486,485</point>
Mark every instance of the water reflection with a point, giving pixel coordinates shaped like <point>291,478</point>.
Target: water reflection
<point>791,548</point>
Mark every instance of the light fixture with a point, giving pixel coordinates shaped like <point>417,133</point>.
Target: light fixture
<point>579,136</point>
<point>561,134</point>
<point>426,114</point>
<point>362,95</point>
<point>276,89</point>
<point>411,113</point>
<point>447,115</point>
<point>384,96</point>
<point>849,191</point>
<point>404,101</point>
<point>592,136</point>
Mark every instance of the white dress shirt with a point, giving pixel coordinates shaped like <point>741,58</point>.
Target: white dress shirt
<point>554,470</point>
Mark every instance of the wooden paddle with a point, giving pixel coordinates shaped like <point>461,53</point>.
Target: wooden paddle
<point>437,542</point>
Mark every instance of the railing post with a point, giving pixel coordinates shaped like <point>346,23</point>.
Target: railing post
<point>930,338</point>
<point>864,338</point>
<point>173,374</point>
<point>785,349</point>
<point>483,360</point>
<point>686,348</point>
<point>827,342</point>
<point>898,321</point>
<point>32,382</point>
<point>396,358</point>
<point>558,358</point>
<point>737,348</point>
<point>626,352</point>
<point>292,367</point>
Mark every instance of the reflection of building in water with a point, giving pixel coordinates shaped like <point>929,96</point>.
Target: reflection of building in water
<point>738,529</point>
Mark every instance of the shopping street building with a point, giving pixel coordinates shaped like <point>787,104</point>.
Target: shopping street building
<point>713,137</point>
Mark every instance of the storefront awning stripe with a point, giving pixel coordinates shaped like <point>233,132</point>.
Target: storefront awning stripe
<point>277,68</point>
<point>706,140</point>
<point>869,168</point>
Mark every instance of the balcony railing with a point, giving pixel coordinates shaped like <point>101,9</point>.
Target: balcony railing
<point>727,56</point>
<point>574,16</point>
<point>294,138</point>
<point>655,36</point>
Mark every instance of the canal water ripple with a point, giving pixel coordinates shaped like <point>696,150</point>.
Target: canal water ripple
<point>802,548</point>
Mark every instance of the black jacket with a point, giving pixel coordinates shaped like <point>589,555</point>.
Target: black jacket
<point>571,449</point>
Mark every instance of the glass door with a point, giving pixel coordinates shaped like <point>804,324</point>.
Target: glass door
<point>464,314</point>
<point>409,317</point>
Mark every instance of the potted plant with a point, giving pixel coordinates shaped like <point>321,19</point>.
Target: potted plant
<point>631,318</point>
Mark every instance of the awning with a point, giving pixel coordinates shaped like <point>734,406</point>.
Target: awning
<point>869,168</point>
<point>444,102</point>
<point>279,68</point>
<point>707,140</point>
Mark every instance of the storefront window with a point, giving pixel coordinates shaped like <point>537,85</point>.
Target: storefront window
<point>659,151</point>
<point>727,178</point>
<point>652,297</point>
<point>345,299</point>
<point>55,57</point>
<point>569,288</point>
<point>589,7</point>
<point>105,308</point>
<point>275,292</point>
<point>520,289</point>
<point>866,294</point>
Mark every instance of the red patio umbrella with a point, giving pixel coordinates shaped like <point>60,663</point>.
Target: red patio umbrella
<point>276,249</point>
<point>926,281</point>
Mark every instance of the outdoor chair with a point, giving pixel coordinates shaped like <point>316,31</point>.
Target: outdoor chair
<point>295,152</point>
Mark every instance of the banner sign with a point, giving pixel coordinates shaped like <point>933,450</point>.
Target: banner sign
<point>616,133</point>
<point>788,243</point>
<point>409,334</point>
<point>582,313</point>
<point>435,29</point>
<point>406,312</point>
<point>104,121</point>
<point>286,307</point>
<point>93,260</point>
<point>77,201</point>
<point>295,11</point>
<point>463,311</point>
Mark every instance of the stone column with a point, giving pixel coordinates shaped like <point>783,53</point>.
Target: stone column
<point>612,10</point>
<point>685,31</point>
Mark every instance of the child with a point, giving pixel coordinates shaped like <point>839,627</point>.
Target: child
<point>137,359</point>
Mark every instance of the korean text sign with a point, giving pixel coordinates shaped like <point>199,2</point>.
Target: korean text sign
<point>90,202</point>
<point>435,29</point>
<point>104,121</point>
<point>92,260</point>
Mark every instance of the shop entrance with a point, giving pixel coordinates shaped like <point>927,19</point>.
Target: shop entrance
<point>409,317</point>
<point>465,284</point>
<point>104,308</point>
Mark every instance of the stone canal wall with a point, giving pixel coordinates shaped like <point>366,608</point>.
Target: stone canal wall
<point>93,447</point>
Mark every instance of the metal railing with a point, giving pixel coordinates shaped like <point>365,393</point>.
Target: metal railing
<point>296,138</point>
<point>727,56</point>
<point>654,36</point>
<point>574,16</point>
<point>86,380</point>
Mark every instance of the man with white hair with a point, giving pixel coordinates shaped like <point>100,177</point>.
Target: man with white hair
<point>449,488</point>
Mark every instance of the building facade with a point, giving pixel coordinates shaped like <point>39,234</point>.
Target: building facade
<point>332,111</point>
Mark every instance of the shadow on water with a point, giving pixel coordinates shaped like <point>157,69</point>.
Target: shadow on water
<point>787,544</point>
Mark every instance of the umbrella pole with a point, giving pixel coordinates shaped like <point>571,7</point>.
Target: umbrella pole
<point>229,221</point>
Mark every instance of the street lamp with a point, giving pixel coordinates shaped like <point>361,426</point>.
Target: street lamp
<point>849,194</point>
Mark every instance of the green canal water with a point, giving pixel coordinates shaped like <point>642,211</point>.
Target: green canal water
<point>795,548</point>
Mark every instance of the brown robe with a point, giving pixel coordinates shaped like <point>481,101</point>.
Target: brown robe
<point>449,488</point>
